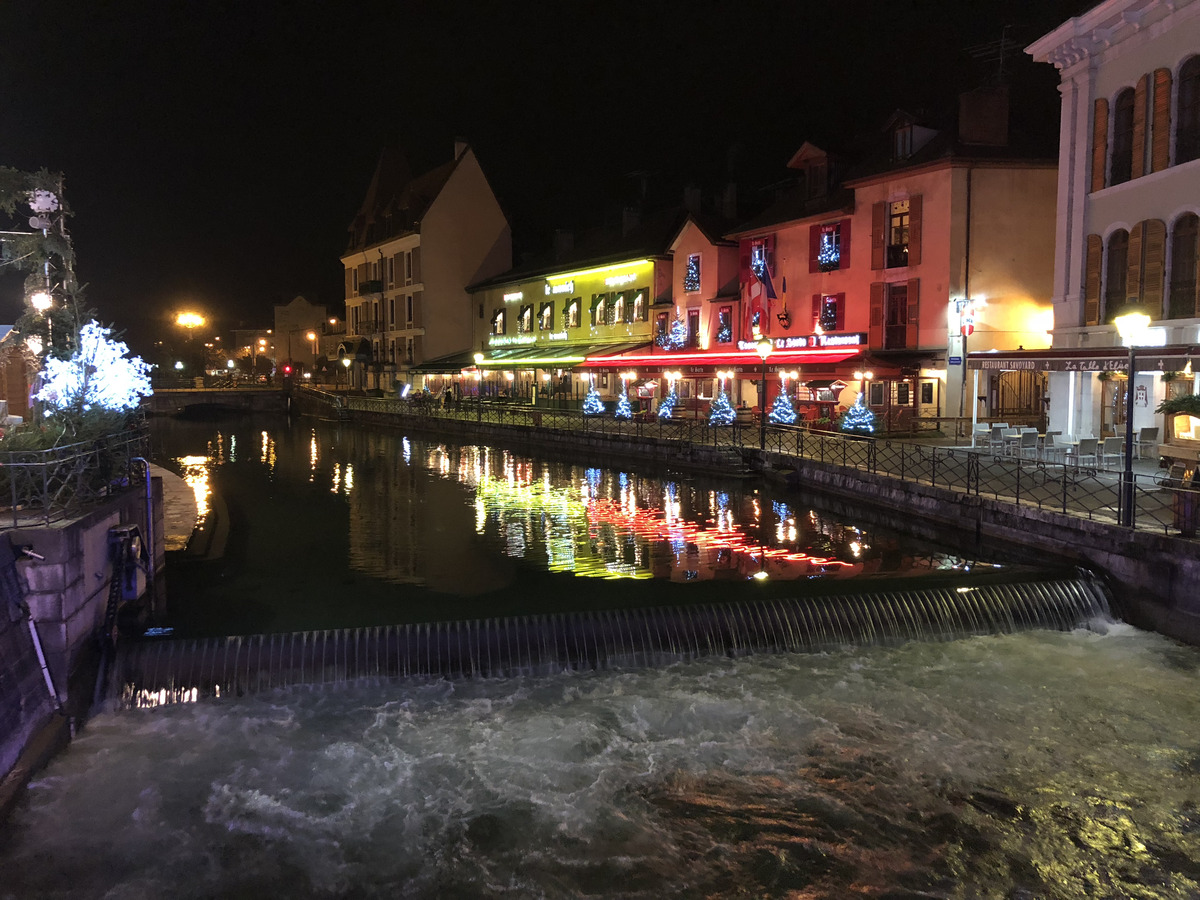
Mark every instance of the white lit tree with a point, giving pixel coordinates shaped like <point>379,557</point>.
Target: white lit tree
<point>623,410</point>
<point>667,408</point>
<point>99,375</point>
<point>858,419</point>
<point>782,412</point>
<point>592,404</point>
<point>721,411</point>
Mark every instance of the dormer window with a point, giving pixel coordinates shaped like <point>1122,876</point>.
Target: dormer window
<point>902,142</point>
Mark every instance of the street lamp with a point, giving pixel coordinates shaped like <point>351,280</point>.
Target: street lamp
<point>764,348</point>
<point>1131,321</point>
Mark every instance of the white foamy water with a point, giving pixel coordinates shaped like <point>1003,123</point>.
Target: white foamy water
<point>1060,765</point>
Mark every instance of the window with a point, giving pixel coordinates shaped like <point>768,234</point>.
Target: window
<point>408,351</point>
<point>408,268</point>
<point>1187,137</point>
<point>693,327</point>
<point>525,322</point>
<point>1121,166</point>
<point>572,313</point>
<point>760,258</point>
<point>756,323</point>
<point>618,309</point>
<point>897,239</point>
<point>829,247</point>
<point>391,273</point>
<point>640,311</point>
<point>895,316</point>
<point>660,329</point>
<point>1116,273</point>
<point>902,142</point>
<point>599,309</point>
<point>408,311</point>
<point>1181,297</point>
<point>691,277</point>
<point>392,313</point>
<point>725,325</point>
<point>546,317</point>
<point>498,322</point>
<point>829,312</point>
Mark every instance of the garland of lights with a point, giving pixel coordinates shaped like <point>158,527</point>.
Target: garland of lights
<point>99,375</point>
<point>667,407</point>
<point>782,412</point>
<point>721,412</point>
<point>623,410</point>
<point>858,419</point>
<point>592,404</point>
<point>691,278</point>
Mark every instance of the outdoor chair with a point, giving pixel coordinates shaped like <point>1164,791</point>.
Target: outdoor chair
<point>1052,451</point>
<point>1027,447</point>
<point>996,439</point>
<point>1147,442</point>
<point>1084,452</point>
<point>1111,451</point>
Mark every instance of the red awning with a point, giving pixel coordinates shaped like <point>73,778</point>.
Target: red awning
<point>722,359</point>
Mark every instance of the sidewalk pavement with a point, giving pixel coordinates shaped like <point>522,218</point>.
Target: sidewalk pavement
<point>180,510</point>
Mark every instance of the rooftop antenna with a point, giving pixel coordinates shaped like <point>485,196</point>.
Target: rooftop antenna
<point>995,51</point>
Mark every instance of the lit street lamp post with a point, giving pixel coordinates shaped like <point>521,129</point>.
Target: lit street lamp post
<point>1131,322</point>
<point>764,348</point>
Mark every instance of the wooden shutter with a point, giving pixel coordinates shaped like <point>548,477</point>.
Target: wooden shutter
<point>1133,265</point>
<point>1160,123</point>
<point>1154,273</point>
<point>875,326</point>
<point>845,260</point>
<point>816,311</point>
<point>878,234</point>
<point>1091,279</point>
<point>416,265</point>
<point>912,335</point>
<point>841,312</point>
<point>814,247</point>
<point>349,283</point>
<point>914,230</point>
<point>1099,144</point>
<point>1139,127</point>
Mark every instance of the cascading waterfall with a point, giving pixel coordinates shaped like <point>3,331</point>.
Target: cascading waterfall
<point>153,672</point>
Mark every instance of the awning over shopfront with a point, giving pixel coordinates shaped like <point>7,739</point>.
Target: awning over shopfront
<point>567,356</point>
<point>451,364</point>
<point>1085,359</point>
<point>693,363</point>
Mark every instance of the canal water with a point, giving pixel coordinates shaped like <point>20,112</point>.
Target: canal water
<point>1034,765</point>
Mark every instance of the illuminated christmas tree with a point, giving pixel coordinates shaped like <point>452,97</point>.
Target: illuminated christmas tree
<point>592,404</point>
<point>782,412</point>
<point>623,410</point>
<point>858,419</point>
<point>667,407</point>
<point>721,411</point>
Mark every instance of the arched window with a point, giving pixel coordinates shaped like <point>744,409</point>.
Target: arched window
<point>1116,273</point>
<point>1181,298</point>
<point>1121,167</point>
<point>1187,134</point>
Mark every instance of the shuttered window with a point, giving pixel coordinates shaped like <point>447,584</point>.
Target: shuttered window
<point>1116,273</point>
<point>878,236</point>
<point>1183,297</point>
<point>1099,143</point>
<point>1091,279</point>
<point>875,323</point>
<point>1121,167</point>
<point>1160,124</point>
<point>1154,266</point>
<point>912,320</point>
<point>1187,136</point>
<point>1141,95</point>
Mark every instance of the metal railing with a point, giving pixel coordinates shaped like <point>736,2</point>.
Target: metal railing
<point>1090,492</point>
<point>44,486</point>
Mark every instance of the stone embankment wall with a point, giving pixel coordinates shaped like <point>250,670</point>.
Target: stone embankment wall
<point>66,592</point>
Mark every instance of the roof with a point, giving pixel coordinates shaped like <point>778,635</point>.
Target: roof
<point>794,205</point>
<point>396,202</point>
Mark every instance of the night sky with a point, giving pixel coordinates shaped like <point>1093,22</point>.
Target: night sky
<point>215,152</point>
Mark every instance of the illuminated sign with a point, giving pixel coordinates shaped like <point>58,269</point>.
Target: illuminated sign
<point>808,341</point>
<point>567,287</point>
<point>557,336</point>
<point>515,295</point>
<point>616,280</point>
<point>506,340</point>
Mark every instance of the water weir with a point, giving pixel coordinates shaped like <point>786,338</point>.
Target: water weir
<point>155,672</point>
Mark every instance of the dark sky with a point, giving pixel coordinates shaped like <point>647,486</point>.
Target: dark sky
<point>215,151</point>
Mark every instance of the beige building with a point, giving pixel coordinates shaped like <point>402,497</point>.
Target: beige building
<point>415,245</point>
<point>1128,207</point>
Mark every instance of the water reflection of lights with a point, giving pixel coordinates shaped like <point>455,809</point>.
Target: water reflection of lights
<point>407,449</point>
<point>195,476</point>
<point>266,454</point>
<point>314,456</point>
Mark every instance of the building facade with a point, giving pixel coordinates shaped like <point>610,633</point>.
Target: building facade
<point>415,245</point>
<point>941,241</point>
<point>1128,205</point>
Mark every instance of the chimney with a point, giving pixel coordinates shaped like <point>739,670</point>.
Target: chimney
<point>630,219</point>
<point>691,198</point>
<point>460,147</point>
<point>983,116</point>
<point>564,244</point>
<point>729,201</point>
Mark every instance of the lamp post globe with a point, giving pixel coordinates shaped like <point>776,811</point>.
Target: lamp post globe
<point>1131,321</point>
